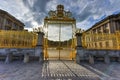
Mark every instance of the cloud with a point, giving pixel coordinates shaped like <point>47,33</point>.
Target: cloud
<point>95,10</point>
<point>36,5</point>
<point>37,9</point>
<point>86,12</point>
<point>18,10</point>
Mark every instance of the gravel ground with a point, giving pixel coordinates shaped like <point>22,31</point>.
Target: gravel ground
<point>35,71</point>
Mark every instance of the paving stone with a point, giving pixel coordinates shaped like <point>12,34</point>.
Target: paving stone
<point>57,70</point>
<point>67,69</point>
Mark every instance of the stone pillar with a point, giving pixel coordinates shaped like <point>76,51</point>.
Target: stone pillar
<point>39,47</point>
<point>41,58</point>
<point>40,38</point>
<point>79,47</point>
<point>106,59</point>
<point>91,59</point>
<point>79,42</point>
<point>8,58</point>
<point>26,58</point>
<point>77,59</point>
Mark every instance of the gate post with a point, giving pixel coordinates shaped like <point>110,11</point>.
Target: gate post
<point>79,47</point>
<point>39,47</point>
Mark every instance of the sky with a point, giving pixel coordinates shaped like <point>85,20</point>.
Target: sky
<point>86,12</point>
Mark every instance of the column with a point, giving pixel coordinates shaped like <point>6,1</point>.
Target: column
<point>4,23</point>
<point>109,28</point>
<point>39,47</point>
<point>79,47</point>
<point>79,42</point>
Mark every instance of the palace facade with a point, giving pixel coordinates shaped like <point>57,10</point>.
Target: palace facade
<point>9,22</point>
<point>103,35</point>
<point>12,33</point>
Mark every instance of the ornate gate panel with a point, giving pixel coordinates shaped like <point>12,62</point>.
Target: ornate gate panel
<point>59,31</point>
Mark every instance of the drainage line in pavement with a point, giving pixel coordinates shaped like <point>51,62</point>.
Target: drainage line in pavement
<point>69,68</point>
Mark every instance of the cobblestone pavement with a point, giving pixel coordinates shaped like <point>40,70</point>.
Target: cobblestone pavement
<point>59,70</point>
<point>106,71</point>
<point>20,71</point>
<point>66,70</point>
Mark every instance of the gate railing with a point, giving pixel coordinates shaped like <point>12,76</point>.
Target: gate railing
<point>70,44</point>
<point>17,39</point>
<point>101,41</point>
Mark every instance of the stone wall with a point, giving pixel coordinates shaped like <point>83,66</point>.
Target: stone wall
<point>90,55</point>
<point>8,54</point>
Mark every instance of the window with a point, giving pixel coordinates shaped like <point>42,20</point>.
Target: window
<point>117,25</point>
<point>7,28</point>
<point>101,44</point>
<point>107,44</point>
<point>105,30</point>
<point>95,44</point>
<point>99,30</point>
<point>5,42</point>
<point>94,30</point>
<point>8,22</point>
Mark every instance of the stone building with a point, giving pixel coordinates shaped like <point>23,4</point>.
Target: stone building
<point>9,22</point>
<point>101,41</point>
<point>110,24</point>
<point>104,34</point>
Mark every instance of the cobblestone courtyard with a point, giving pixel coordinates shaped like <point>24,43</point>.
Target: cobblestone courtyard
<point>59,70</point>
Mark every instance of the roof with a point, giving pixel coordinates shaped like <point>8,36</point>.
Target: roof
<point>5,12</point>
<point>108,17</point>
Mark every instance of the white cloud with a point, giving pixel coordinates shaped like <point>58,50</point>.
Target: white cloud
<point>83,25</point>
<point>51,5</point>
<point>34,23</point>
<point>19,10</point>
<point>82,10</point>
